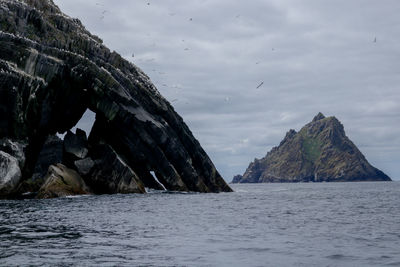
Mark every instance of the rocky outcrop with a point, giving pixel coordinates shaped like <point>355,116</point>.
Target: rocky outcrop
<point>52,70</point>
<point>319,152</point>
<point>75,146</point>
<point>15,148</point>
<point>236,179</point>
<point>108,173</point>
<point>12,160</point>
<point>84,166</point>
<point>10,173</point>
<point>50,154</point>
<point>62,182</point>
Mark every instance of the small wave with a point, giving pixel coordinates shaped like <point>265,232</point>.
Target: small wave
<point>155,191</point>
<point>179,192</point>
<point>6,230</point>
<point>7,254</point>
<point>241,191</point>
<point>241,249</point>
<point>339,257</point>
<point>394,263</point>
<point>279,190</point>
<point>46,235</point>
<point>77,196</point>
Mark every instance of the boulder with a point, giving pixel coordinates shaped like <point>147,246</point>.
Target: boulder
<point>108,173</point>
<point>84,166</point>
<point>15,149</point>
<point>61,182</point>
<point>12,160</point>
<point>75,145</point>
<point>50,154</point>
<point>10,173</point>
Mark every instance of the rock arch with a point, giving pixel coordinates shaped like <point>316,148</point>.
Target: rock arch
<point>52,70</point>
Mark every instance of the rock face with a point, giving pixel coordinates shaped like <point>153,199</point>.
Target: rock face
<point>10,173</point>
<point>50,154</point>
<point>319,152</point>
<point>12,160</point>
<point>75,145</point>
<point>237,178</point>
<point>107,173</point>
<point>61,182</point>
<point>52,70</point>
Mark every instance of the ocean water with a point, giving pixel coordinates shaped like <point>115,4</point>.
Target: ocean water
<point>324,224</point>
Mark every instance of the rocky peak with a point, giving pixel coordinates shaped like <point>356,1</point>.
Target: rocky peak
<point>320,151</point>
<point>318,117</point>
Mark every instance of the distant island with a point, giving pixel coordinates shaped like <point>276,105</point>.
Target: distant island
<point>319,152</point>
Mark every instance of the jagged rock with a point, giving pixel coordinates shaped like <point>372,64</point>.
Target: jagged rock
<point>15,149</point>
<point>84,166</point>
<point>319,152</point>
<point>12,160</point>
<point>236,179</point>
<point>108,173</point>
<point>75,146</point>
<point>318,117</point>
<point>50,154</point>
<point>52,70</point>
<point>10,173</point>
<point>61,182</point>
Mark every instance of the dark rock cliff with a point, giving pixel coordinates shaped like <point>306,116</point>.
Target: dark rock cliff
<point>319,152</point>
<point>52,70</point>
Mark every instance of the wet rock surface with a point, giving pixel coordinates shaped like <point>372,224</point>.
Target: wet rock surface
<point>52,70</point>
<point>76,145</point>
<point>108,173</point>
<point>12,160</point>
<point>84,166</point>
<point>10,173</point>
<point>50,154</point>
<point>319,152</point>
<point>62,181</point>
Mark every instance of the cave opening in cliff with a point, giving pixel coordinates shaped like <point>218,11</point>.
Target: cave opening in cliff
<point>85,123</point>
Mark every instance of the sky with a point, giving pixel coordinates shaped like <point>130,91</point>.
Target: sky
<point>242,73</point>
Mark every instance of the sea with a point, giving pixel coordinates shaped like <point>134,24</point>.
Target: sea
<point>304,224</point>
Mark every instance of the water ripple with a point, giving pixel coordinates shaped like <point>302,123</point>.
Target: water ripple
<point>258,225</point>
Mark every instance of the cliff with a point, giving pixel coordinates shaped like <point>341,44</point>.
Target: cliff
<point>319,152</point>
<point>51,71</point>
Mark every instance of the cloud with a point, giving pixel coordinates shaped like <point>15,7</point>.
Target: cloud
<point>209,57</point>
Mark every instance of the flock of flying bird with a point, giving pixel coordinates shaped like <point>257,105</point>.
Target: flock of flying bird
<point>227,99</point>
<point>187,49</point>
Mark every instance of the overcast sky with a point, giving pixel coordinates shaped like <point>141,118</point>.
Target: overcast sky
<point>207,57</point>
